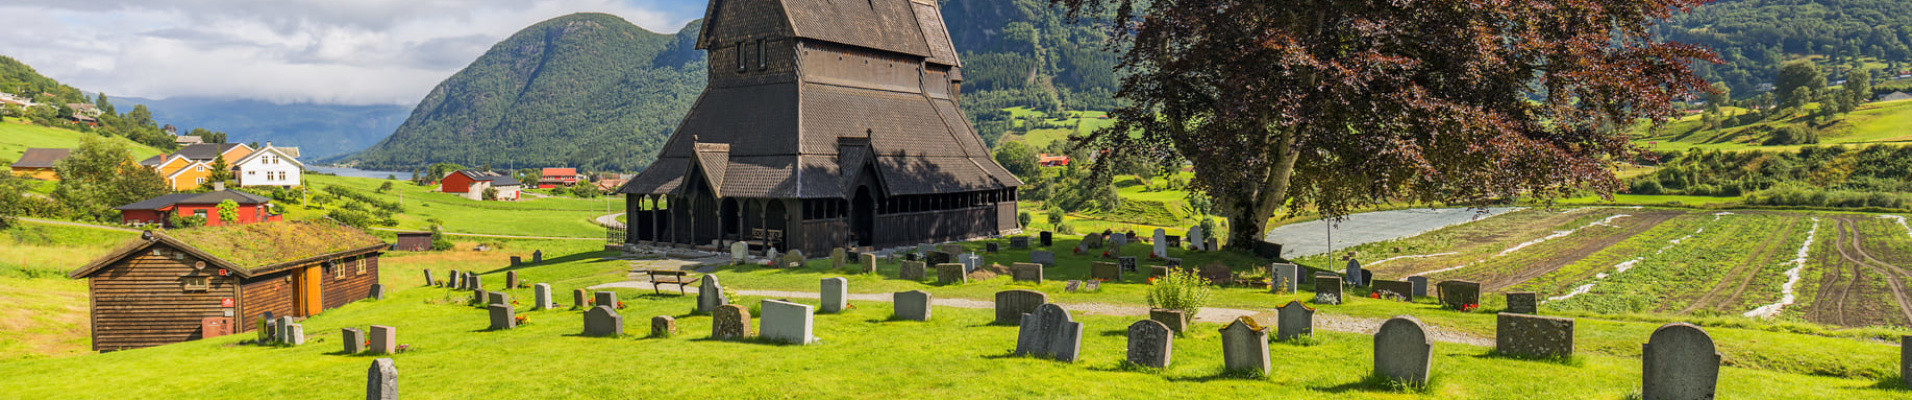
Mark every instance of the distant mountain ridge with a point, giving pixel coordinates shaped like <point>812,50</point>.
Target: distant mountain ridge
<point>318,130</point>
<point>584,90</point>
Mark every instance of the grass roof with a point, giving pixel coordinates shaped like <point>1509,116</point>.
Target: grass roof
<point>263,244</point>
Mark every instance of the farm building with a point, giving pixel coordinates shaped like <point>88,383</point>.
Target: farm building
<point>252,208</point>
<point>472,184</point>
<point>1052,160</point>
<point>552,178</point>
<point>38,163</point>
<point>413,241</point>
<point>164,287</point>
<point>270,166</point>
<point>824,124</point>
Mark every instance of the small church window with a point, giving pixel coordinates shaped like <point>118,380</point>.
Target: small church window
<point>740,57</point>
<point>762,60</point>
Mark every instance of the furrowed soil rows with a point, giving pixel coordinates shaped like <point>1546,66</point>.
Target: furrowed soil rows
<point>1895,277</point>
<point>1579,248</point>
<point>1668,280</point>
<point>1727,292</point>
<point>1454,245</point>
<point>1504,257</point>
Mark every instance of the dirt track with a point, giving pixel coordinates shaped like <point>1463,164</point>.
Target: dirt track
<point>1743,275</point>
<point>1850,291</point>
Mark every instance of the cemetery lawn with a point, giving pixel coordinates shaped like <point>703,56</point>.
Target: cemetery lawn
<point>532,216</point>
<point>862,354</point>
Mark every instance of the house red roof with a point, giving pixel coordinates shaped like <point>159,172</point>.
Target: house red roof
<point>561,172</point>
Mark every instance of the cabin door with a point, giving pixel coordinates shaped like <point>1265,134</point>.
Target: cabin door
<point>306,294</point>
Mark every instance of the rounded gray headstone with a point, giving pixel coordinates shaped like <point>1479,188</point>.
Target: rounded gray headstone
<point>1679,363</point>
<point>1402,350</point>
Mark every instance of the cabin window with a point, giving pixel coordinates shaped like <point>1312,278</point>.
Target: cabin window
<point>762,60</point>
<point>194,284</point>
<point>740,57</point>
<point>361,266</point>
<point>338,271</point>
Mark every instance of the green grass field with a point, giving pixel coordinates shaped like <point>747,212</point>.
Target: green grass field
<point>16,137</point>
<point>1885,122</point>
<point>552,217</point>
<point>46,313</point>
<point>863,354</point>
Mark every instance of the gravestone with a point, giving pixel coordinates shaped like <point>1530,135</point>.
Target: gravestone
<point>381,380</point>
<point>1026,272</point>
<point>428,278</point>
<point>604,298</point>
<point>503,316</point>
<point>1116,241</point>
<point>1048,239</point>
<point>1523,303</point>
<point>480,298</point>
<point>837,258</point>
<point>739,251</point>
<point>1402,351</point>
<point>1128,264</point>
<point>1105,271</point>
<point>515,261</point>
<point>1092,285</point>
<point>1175,320</point>
<point>834,292</point>
<point>937,257</point>
<point>1679,363</point>
<point>1091,241</point>
<point>384,339</point>
<point>542,294</point>
<point>1160,243</point>
<point>1013,305</point>
<point>602,321</point>
<point>537,256</point>
<point>970,262</point>
<point>377,292</point>
<point>911,305</point>
<point>1264,249</point>
<point>1405,289</point>
<point>577,298</point>
<point>992,247</point>
<point>280,327</point>
<point>1049,333</point>
<point>295,335</point>
<point>730,322</point>
<point>771,254</point>
<point>1533,336</point>
<point>787,322</point>
<point>925,248</point>
<point>663,326</point>
<point>1420,286</point>
<point>951,273</point>
<point>1195,237</point>
<point>1905,359</point>
<point>793,260</point>
<point>452,280</point>
<point>1212,244</point>
<point>1150,344</point>
<point>1019,242</point>
<point>951,248</point>
<point>496,298</point>
<point>477,282</point>
<point>914,271</point>
<point>710,295</point>
<point>869,263</point>
<point>354,340</point>
<point>1294,320</point>
<point>1327,290</point>
<point>511,279</point>
<point>1245,346</point>
<point>1456,294</point>
<point>1042,257</point>
<point>1072,286</point>
<point>1284,278</point>
<point>1354,274</point>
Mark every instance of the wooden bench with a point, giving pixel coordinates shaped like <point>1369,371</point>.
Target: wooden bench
<point>660,278</point>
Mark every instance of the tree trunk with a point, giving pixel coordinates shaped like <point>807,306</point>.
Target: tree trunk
<point>1249,219</point>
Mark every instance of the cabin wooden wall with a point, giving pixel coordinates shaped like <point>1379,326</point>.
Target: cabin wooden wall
<point>262,294</point>
<point>140,301</point>
<point>355,285</point>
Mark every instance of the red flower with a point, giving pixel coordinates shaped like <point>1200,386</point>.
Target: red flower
<point>620,305</point>
<point>1374,295</point>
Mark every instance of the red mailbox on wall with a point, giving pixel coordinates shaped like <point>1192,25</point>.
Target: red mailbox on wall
<point>215,327</point>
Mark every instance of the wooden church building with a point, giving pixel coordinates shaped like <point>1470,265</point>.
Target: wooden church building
<point>170,287</point>
<point>826,123</point>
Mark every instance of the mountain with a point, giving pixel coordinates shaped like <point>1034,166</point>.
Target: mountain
<point>1754,37</point>
<point>319,130</point>
<point>584,90</point>
<point>55,109</point>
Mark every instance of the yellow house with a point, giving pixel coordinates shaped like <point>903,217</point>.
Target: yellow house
<point>191,166</point>
<point>38,164</point>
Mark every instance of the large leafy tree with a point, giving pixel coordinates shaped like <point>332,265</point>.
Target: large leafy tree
<point>1335,105</point>
<point>101,174</point>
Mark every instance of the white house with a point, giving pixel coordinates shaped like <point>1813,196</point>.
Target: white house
<point>270,166</point>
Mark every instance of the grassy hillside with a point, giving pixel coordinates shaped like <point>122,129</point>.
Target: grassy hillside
<point>45,314</point>
<point>532,216</point>
<point>1874,123</point>
<point>16,137</point>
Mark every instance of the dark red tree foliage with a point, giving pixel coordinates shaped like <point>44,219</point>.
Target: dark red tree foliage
<point>1333,105</point>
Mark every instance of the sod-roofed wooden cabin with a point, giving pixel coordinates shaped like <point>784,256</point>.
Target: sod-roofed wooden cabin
<point>163,287</point>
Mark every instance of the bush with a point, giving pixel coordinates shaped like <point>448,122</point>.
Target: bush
<point>1023,218</point>
<point>1181,289</point>
<point>1065,228</point>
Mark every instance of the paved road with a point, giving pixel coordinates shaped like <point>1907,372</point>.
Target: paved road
<point>1311,238</point>
<point>496,236</point>
<point>1323,321</point>
<point>82,225</point>
<point>610,221</point>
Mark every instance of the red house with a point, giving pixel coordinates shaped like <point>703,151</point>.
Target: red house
<point>551,178</point>
<point>252,208</point>
<point>472,184</point>
<point>1048,160</point>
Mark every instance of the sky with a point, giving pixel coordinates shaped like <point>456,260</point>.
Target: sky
<point>352,52</point>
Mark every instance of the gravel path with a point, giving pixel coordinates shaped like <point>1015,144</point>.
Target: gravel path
<point>1311,238</point>
<point>1328,322</point>
<point>610,221</point>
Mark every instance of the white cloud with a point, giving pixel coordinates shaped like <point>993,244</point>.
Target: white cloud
<point>284,51</point>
